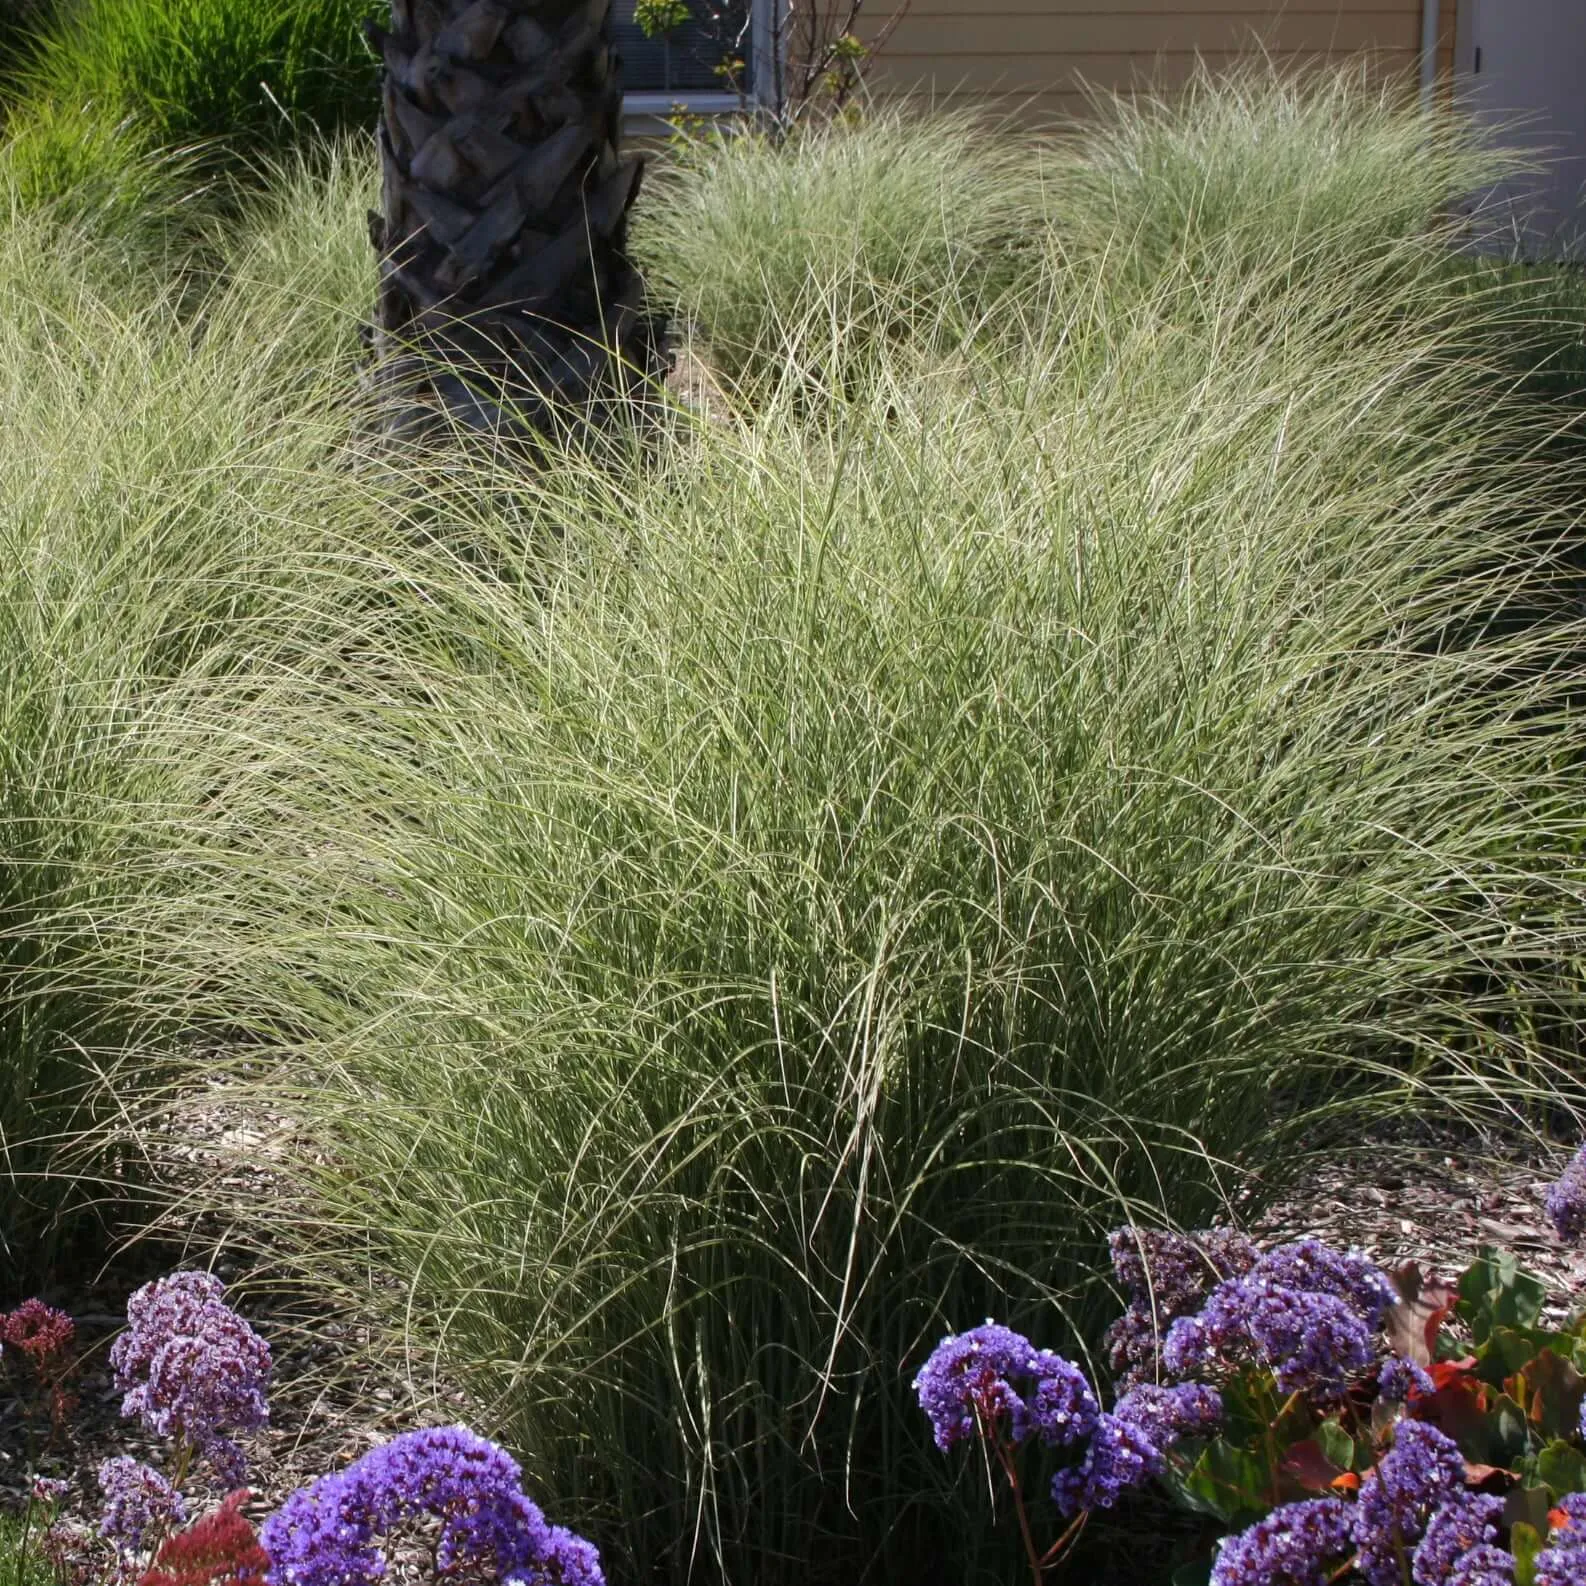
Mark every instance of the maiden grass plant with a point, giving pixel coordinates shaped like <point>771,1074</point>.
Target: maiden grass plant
<point>727,916</point>
<point>1328,169</point>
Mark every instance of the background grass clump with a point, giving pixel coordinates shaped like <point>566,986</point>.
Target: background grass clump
<point>1289,175</point>
<point>805,256</point>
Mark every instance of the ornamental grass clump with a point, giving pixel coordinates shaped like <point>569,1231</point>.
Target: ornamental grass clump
<point>799,260</point>
<point>1248,169</point>
<point>168,520</point>
<point>689,904</point>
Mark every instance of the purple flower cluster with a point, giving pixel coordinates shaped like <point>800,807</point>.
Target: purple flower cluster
<point>1313,1342</point>
<point>1563,1561</point>
<point>192,1368</point>
<point>1566,1201</point>
<point>1298,1544</point>
<point>1399,1379</point>
<point>1411,1482</point>
<point>1314,1268</point>
<point>1484,1565</point>
<point>1164,1276</point>
<point>1466,1521</point>
<point>993,1375</point>
<point>50,1490</point>
<point>1190,1409</point>
<point>140,1504</point>
<point>1119,1456</point>
<point>326,1534</point>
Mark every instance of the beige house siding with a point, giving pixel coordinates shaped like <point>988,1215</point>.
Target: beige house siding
<point>1039,54</point>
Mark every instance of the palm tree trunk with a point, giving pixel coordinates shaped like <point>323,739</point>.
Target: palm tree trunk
<point>507,301</point>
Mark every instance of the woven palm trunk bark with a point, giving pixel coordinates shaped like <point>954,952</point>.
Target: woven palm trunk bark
<point>507,302</point>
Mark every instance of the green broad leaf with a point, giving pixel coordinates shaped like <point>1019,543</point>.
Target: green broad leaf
<point>1228,1482</point>
<point>1508,1432</point>
<point>1494,1292</point>
<point>1562,1467</point>
<point>1527,1505</point>
<point>1553,1391</point>
<point>1195,1573</point>
<point>1525,1542</point>
<point>1506,1351</point>
<point>1336,1444</point>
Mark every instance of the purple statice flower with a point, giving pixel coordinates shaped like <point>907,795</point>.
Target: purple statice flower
<point>1166,1414</point>
<point>1119,1456</point>
<point>1399,1379</point>
<point>1315,1268</point>
<point>1164,1276</point>
<point>1466,1521</point>
<point>50,1490</point>
<point>1566,1201</point>
<point>991,1373</point>
<point>1312,1342</point>
<point>327,1533</point>
<point>1298,1544</point>
<point>192,1368</point>
<point>1411,1482</point>
<point>139,1504</point>
<point>1484,1565</point>
<point>1563,1561</point>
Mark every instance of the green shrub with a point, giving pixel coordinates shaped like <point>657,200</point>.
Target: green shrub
<point>246,76</point>
<point>81,168</point>
<point>812,253</point>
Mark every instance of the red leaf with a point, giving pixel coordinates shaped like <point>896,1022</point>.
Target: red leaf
<point>1448,1373</point>
<point>1308,1467</point>
<point>1414,1321</point>
<point>1476,1474</point>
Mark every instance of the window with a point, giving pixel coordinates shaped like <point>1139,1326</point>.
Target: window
<point>661,73</point>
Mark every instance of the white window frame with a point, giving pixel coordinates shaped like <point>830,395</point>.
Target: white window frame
<point>646,113</point>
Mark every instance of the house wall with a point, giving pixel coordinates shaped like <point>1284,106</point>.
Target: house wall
<point>1038,54</point>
